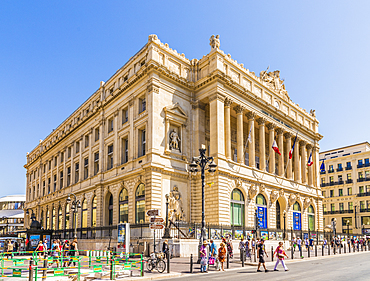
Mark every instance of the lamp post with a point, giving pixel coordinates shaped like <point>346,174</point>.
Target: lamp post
<point>75,205</point>
<point>167,234</point>
<point>284,216</point>
<point>205,163</point>
<point>334,224</point>
<point>356,216</point>
<point>256,220</point>
<point>348,228</point>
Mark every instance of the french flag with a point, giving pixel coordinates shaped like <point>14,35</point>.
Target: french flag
<point>291,151</point>
<point>310,162</point>
<point>275,147</point>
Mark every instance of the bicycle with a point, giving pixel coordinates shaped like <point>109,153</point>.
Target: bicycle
<point>156,262</point>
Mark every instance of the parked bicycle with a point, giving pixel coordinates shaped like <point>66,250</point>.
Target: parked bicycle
<point>156,262</point>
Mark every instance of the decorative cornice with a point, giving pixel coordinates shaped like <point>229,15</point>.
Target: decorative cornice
<point>217,96</point>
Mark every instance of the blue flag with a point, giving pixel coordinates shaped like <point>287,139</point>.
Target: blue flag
<point>322,167</point>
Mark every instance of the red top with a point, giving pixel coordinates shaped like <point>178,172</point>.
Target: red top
<point>40,248</point>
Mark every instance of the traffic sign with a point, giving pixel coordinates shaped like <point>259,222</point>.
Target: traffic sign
<point>156,226</point>
<point>152,213</point>
<point>156,220</point>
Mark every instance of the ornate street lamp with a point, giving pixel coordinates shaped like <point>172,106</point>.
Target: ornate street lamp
<point>75,205</point>
<point>205,163</point>
<point>167,234</point>
<point>348,228</point>
<point>256,221</point>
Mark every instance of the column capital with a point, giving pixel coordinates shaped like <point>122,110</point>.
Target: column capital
<point>309,146</point>
<point>197,104</point>
<point>239,109</point>
<point>288,135</point>
<point>261,121</point>
<point>302,142</point>
<point>251,115</point>
<point>279,131</point>
<point>228,102</point>
<point>217,96</point>
<point>271,126</point>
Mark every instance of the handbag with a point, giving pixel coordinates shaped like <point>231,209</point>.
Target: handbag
<point>211,261</point>
<point>203,261</point>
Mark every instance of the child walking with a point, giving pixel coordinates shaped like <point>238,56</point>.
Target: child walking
<point>280,253</point>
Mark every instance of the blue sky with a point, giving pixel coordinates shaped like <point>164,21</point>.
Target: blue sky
<point>53,54</point>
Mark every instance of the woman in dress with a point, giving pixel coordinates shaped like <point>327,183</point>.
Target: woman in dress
<point>280,253</point>
<point>222,255</point>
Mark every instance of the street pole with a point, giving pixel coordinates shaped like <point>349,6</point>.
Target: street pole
<point>167,234</point>
<point>284,216</point>
<point>75,206</point>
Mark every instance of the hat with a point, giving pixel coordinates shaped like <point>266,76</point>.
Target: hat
<point>205,242</point>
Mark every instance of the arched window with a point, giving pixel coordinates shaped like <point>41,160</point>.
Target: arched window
<point>297,207</point>
<point>123,206</point>
<point>140,203</point>
<point>84,214</point>
<point>278,215</point>
<point>311,218</point>
<point>53,219</point>
<point>110,210</point>
<point>67,217</point>
<point>60,217</point>
<point>260,200</point>
<point>297,221</point>
<point>237,207</point>
<point>93,212</point>
<point>261,211</point>
<point>47,219</point>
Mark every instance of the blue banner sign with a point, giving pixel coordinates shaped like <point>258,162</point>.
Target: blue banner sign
<point>296,221</point>
<point>262,217</point>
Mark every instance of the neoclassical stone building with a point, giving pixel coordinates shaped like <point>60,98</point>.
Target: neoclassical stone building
<point>131,142</point>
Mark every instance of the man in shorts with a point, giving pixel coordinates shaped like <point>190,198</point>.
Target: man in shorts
<point>261,252</point>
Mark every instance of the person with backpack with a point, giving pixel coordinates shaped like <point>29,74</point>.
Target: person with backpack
<point>65,249</point>
<point>261,252</point>
<point>73,252</point>
<point>280,253</point>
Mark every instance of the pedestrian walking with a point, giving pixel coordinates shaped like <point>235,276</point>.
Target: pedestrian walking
<point>247,248</point>
<point>213,254</point>
<point>261,252</point>
<point>203,257</point>
<point>10,248</point>
<point>222,255</point>
<point>165,248</point>
<point>299,244</point>
<point>242,248</point>
<point>325,242</point>
<point>294,243</point>
<point>40,248</point>
<point>229,245</point>
<point>280,253</point>
<point>311,243</point>
<point>73,252</point>
<point>55,251</point>
<point>253,246</point>
<point>65,250</point>
<point>306,242</point>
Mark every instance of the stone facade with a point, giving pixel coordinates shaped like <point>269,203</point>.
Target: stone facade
<point>144,125</point>
<point>345,184</point>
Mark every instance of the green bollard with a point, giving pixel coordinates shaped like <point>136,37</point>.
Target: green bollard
<point>79,270</point>
<point>142,266</point>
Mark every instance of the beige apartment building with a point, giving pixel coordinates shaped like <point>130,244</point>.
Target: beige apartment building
<point>131,142</point>
<point>345,186</point>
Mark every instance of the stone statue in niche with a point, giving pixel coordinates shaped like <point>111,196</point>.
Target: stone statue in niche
<point>175,140</point>
<point>175,209</point>
<point>214,41</point>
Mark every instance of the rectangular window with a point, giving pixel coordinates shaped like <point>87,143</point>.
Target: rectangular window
<point>55,162</point>
<point>367,163</point>
<point>142,142</point>
<point>55,183</point>
<point>142,104</point>
<point>96,163</point>
<point>331,193</point>
<point>349,176</point>
<point>86,140</point>
<point>124,116</point>
<point>86,168</point>
<point>362,205</point>
<point>69,152</point>
<point>348,164</point>
<point>340,192</point>
<point>77,146</point>
<point>360,175</point>
<point>97,134</point>
<point>43,188</point>
<point>340,167</point>
<point>110,125</point>
<point>341,208</point>
<point>61,180</point>
<point>125,150</point>
<point>349,190</point>
<point>332,207</point>
<point>324,207</point>
<point>340,178</point>
<point>49,165</point>
<point>360,162</point>
<point>350,206</point>
<point>361,189</point>
<point>322,181</point>
<point>110,157</point>
<point>367,174</point>
<point>365,220</point>
<point>346,221</point>
<point>331,169</point>
<point>77,172</point>
<point>49,182</point>
<point>331,179</point>
<point>61,157</point>
<point>68,176</point>
<point>323,193</point>
<point>44,168</point>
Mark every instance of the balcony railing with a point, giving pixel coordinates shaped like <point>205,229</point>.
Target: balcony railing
<point>339,169</point>
<point>349,181</point>
<point>322,172</point>
<point>331,171</point>
<point>363,210</point>
<point>363,194</point>
<point>360,166</point>
<point>338,212</point>
<point>363,179</point>
<point>349,168</point>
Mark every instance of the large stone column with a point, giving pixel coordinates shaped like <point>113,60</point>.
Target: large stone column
<point>227,129</point>
<point>303,162</point>
<point>315,159</point>
<point>297,172</point>
<point>271,152</point>
<point>198,125</point>
<point>310,175</point>
<point>239,132</point>
<point>217,134</point>
<point>280,132</point>
<point>166,136</point>
<point>288,140</point>
<point>251,145</point>
<point>261,122</point>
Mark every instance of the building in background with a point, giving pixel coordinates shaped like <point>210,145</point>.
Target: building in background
<point>11,214</point>
<point>129,145</point>
<point>345,184</point>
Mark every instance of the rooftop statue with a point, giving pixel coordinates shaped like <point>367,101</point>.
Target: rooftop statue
<point>214,41</point>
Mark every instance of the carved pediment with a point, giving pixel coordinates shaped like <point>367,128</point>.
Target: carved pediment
<point>273,81</point>
<point>175,112</point>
